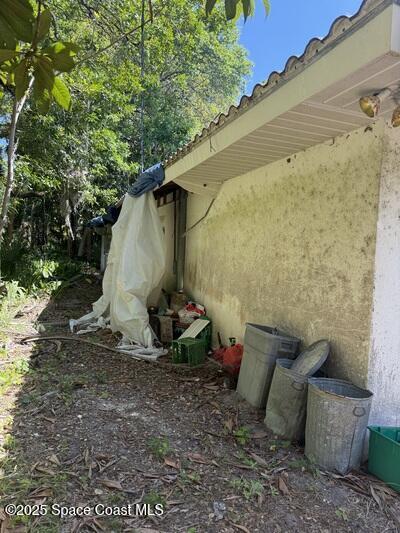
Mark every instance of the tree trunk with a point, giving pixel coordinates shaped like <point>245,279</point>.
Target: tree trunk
<point>11,153</point>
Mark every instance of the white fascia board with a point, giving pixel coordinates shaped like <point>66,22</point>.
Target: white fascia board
<point>360,46</point>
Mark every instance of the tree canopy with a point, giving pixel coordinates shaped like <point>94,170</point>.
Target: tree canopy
<point>84,152</point>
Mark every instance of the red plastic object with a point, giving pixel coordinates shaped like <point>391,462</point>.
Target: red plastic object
<point>232,358</point>
<point>219,354</point>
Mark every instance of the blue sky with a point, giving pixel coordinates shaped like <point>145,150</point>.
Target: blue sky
<point>287,30</point>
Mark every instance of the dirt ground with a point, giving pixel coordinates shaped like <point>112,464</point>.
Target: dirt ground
<point>87,426</point>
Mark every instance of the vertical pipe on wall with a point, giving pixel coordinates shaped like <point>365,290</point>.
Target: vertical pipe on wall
<point>181,239</point>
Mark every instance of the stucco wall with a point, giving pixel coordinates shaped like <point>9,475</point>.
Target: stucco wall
<point>292,244</point>
<point>384,367</point>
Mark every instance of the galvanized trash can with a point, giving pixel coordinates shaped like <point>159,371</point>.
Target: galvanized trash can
<point>285,415</point>
<point>263,345</point>
<point>337,418</point>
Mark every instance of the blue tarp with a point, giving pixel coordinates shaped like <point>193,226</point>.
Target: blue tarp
<point>109,218</point>
<point>148,180</point>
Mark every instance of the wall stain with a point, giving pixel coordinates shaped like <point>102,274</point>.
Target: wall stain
<point>294,246</point>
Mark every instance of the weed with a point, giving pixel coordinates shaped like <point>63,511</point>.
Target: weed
<point>101,377</point>
<point>248,487</point>
<point>12,374</point>
<point>159,447</point>
<point>246,460</point>
<point>342,513</point>
<point>154,498</point>
<point>192,477</point>
<point>274,491</point>
<point>9,442</point>
<point>242,435</point>
<point>274,445</point>
<point>305,465</point>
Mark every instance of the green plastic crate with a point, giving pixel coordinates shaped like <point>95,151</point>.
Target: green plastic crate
<point>206,333</point>
<point>384,454</point>
<point>188,350</point>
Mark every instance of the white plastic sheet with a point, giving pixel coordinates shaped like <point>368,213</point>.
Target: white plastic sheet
<point>135,266</point>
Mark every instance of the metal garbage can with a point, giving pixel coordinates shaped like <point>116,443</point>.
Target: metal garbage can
<point>263,345</point>
<point>337,418</point>
<point>285,415</point>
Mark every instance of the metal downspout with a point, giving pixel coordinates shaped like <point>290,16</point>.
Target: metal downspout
<point>181,239</point>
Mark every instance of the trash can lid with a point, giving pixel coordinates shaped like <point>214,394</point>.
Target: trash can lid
<point>312,358</point>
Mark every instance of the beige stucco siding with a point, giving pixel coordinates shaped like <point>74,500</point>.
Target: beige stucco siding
<point>292,244</point>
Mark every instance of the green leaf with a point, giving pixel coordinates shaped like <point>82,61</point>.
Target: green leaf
<point>21,78</point>
<point>210,6</point>
<point>62,54</point>
<point>230,8</point>
<point>61,94</point>
<point>44,73</point>
<point>267,6</point>
<point>7,36</point>
<point>43,26</point>
<point>19,16</point>
<point>248,8</point>
<point>41,96</point>
<point>62,47</point>
<point>6,55</point>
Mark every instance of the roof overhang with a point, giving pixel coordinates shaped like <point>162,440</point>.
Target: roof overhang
<point>313,100</point>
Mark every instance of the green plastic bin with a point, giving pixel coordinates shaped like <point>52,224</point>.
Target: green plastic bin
<point>188,350</point>
<point>206,333</point>
<point>384,454</point>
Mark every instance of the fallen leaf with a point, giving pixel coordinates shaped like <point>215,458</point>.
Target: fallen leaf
<point>229,424</point>
<point>242,528</point>
<point>283,487</point>
<point>146,530</point>
<point>172,463</point>
<point>43,492</point>
<point>110,463</point>
<point>260,434</point>
<point>211,387</point>
<point>58,345</point>
<point>45,470</point>
<point>110,484</point>
<point>376,497</point>
<point>259,460</point>
<point>54,459</point>
<point>50,420</point>
<point>198,458</point>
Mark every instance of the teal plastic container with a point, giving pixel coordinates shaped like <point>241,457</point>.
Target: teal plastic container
<point>384,454</point>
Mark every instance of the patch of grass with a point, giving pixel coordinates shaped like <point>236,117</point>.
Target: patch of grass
<point>159,446</point>
<point>242,435</point>
<point>12,299</point>
<point>101,377</point>
<point>246,460</point>
<point>274,491</point>
<point>12,374</point>
<point>189,477</point>
<point>274,445</point>
<point>342,513</point>
<point>9,442</point>
<point>305,465</point>
<point>154,498</point>
<point>249,488</point>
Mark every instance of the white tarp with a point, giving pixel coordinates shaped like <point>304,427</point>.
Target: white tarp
<point>135,266</point>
